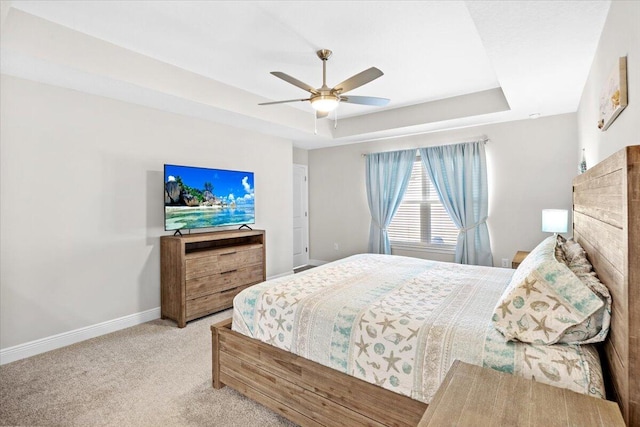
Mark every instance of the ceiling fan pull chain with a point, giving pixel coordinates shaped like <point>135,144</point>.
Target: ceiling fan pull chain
<point>315,123</point>
<point>335,121</point>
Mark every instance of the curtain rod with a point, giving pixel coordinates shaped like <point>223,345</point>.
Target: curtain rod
<point>482,138</point>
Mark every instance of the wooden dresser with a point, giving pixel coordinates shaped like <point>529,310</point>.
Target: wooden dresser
<point>201,273</point>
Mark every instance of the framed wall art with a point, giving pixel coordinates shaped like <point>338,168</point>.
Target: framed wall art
<point>613,98</point>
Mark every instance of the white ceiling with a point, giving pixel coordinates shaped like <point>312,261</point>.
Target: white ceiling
<point>447,64</point>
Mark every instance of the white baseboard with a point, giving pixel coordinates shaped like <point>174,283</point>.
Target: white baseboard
<point>22,351</point>
<point>64,339</point>
<point>317,262</point>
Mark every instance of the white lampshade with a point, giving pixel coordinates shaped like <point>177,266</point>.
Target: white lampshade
<point>555,220</point>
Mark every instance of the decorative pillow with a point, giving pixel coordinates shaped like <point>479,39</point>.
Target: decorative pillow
<point>596,327</point>
<point>575,257</point>
<point>560,256</point>
<point>543,299</point>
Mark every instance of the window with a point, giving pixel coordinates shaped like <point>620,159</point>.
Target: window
<point>421,220</point>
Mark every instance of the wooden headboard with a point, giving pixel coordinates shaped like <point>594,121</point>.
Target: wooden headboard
<point>606,222</point>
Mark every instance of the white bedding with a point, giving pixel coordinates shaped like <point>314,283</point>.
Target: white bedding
<point>400,322</point>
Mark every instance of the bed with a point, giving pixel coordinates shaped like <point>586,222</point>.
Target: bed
<point>328,391</point>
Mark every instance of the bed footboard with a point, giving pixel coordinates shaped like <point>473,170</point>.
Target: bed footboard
<point>303,391</point>
<point>215,353</point>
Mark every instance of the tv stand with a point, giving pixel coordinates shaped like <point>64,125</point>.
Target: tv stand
<point>201,273</point>
<point>177,233</point>
<point>245,226</point>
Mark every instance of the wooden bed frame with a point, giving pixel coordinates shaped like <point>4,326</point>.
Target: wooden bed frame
<point>606,221</point>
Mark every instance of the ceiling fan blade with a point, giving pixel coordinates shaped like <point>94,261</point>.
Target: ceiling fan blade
<point>282,102</point>
<point>321,114</point>
<point>287,78</point>
<point>358,80</point>
<point>365,100</point>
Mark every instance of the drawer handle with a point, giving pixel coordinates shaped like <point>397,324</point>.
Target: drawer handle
<point>229,290</point>
<point>230,271</point>
<point>228,253</point>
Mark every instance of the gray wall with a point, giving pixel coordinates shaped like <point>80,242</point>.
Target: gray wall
<point>300,156</point>
<point>531,164</point>
<point>620,37</point>
<point>82,206</point>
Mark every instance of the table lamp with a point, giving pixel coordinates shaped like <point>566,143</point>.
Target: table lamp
<point>555,220</point>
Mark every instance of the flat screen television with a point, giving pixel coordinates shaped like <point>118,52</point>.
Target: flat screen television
<point>202,198</point>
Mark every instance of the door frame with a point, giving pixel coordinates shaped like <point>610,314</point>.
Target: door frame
<point>305,202</point>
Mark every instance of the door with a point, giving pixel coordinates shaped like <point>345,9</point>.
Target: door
<point>300,216</point>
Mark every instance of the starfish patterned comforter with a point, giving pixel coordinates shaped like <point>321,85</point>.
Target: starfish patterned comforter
<point>400,322</point>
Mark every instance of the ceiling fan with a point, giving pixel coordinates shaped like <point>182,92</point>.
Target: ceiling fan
<point>326,99</point>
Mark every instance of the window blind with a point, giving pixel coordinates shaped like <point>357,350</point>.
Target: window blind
<point>421,220</point>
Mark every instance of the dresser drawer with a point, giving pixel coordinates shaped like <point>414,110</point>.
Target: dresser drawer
<point>224,280</point>
<point>220,261</point>
<point>234,259</point>
<point>211,303</point>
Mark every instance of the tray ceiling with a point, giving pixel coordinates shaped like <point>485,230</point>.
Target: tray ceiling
<point>447,64</point>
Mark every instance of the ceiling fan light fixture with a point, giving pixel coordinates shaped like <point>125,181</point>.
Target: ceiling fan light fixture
<point>325,99</point>
<point>325,103</point>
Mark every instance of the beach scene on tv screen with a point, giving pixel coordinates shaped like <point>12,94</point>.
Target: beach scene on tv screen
<point>200,197</point>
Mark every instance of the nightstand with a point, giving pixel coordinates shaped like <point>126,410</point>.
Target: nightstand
<point>474,396</point>
<point>518,258</point>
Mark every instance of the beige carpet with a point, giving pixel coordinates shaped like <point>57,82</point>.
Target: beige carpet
<point>152,374</point>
